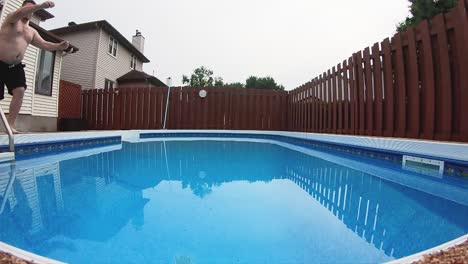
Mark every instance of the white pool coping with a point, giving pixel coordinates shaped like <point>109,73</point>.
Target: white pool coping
<point>443,150</point>
<point>420,255</point>
<point>25,255</point>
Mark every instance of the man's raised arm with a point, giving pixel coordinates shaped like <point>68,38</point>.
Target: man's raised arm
<point>39,42</point>
<point>26,11</point>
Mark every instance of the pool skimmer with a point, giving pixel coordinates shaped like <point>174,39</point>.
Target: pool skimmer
<point>423,165</point>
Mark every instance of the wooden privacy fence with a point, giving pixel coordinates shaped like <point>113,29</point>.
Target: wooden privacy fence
<point>69,105</point>
<point>222,108</point>
<point>413,85</point>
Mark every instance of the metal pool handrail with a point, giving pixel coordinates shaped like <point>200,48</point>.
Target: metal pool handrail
<point>169,83</point>
<point>11,139</point>
<point>8,187</point>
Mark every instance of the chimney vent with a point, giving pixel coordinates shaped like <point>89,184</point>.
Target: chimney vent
<point>139,41</point>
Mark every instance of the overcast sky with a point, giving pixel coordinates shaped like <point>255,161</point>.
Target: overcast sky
<point>291,40</point>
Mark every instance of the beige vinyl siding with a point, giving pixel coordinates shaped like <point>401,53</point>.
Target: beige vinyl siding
<point>28,179</point>
<point>44,105</point>
<point>80,67</point>
<point>109,67</point>
<point>8,7</point>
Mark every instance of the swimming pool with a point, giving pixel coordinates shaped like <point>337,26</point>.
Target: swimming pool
<point>224,200</point>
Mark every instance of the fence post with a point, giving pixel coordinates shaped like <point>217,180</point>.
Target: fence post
<point>117,108</point>
<point>444,83</point>
<point>461,36</point>
<point>333,100</point>
<point>378,96</point>
<point>340,100</point>
<point>369,129</point>
<point>389,111</point>
<point>413,107</point>
<point>360,94</point>
<point>400,86</point>
<point>346,127</point>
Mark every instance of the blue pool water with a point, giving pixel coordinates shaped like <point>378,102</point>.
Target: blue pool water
<point>217,202</point>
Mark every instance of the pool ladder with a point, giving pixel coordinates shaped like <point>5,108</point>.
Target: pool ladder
<point>10,155</point>
<point>9,187</point>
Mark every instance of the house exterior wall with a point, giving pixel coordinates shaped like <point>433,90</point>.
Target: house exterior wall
<point>33,104</point>
<point>80,67</point>
<point>110,67</point>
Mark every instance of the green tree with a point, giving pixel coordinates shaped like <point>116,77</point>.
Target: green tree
<point>235,85</point>
<point>262,83</point>
<point>425,9</point>
<point>218,81</point>
<point>202,77</point>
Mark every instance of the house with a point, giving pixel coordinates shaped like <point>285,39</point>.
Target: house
<point>105,56</point>
<point>40,106</point>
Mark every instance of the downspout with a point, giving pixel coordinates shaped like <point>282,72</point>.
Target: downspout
<point>169,80</point>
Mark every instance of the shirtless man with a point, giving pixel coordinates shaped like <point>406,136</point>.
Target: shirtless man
<point>15,36</point>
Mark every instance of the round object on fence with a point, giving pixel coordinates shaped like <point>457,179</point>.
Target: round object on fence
<point>202,93</point>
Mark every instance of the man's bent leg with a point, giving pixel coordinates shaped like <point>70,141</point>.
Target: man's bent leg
<point>15,106</point>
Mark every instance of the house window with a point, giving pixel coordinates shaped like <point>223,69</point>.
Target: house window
<point>133,62</point>
<point>112,47</point>
<point>45,73</point>
<point>108,84</point>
